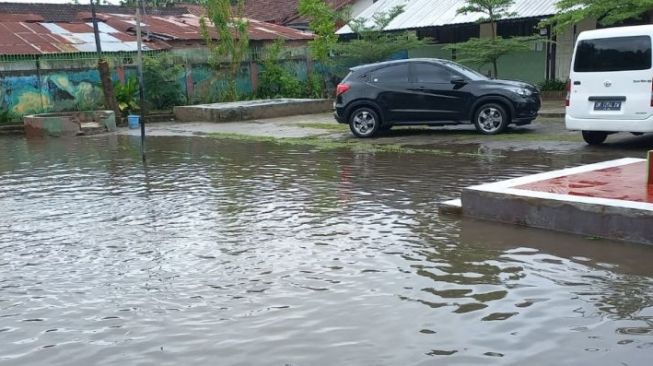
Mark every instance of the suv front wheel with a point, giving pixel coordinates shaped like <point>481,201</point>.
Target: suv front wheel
<point>364,122</point>
<point>490,119</point>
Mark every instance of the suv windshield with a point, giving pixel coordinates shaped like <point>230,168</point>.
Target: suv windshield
<point>613,54</point>
<point>465,71</point>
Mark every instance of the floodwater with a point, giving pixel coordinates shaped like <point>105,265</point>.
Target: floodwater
<point>222,252</point>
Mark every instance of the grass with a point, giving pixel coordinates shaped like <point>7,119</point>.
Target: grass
<point>530,136</point>
<point>461,134</point>
<point>325,126</point>
<point>330,144</point>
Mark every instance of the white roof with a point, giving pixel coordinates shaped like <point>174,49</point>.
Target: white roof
<point>637,30</point>
<point>434,13</point>
<point>85,42</point>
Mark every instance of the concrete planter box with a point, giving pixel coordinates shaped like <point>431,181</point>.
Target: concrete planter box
<point>514,201</point>
<point>251,109</point>
<point>69,123</point>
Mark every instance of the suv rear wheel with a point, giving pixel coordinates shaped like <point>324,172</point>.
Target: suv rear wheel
<point>490,119</point>
<point>364,122</point>
<point>594,137</point>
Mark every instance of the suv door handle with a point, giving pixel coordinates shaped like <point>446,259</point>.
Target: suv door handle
<point>576,82</point>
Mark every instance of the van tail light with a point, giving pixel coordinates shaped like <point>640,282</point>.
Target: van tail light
<point>342,89</point>
<point>568,89</point>
<point>652,94</point>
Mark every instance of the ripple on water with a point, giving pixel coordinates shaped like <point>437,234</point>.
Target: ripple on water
<point>265,254</point>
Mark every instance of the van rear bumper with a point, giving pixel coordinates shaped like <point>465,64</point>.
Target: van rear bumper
<point>610,125</point>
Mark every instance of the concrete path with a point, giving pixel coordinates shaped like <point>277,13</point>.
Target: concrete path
<point>546,133</point>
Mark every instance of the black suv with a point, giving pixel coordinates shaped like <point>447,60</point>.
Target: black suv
<point>432,92</point>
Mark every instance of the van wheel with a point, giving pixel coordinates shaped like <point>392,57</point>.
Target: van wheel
<point>490,119</point>
<point>364,122</point>
<point>594,137</point>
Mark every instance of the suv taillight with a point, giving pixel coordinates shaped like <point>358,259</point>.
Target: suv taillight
<point>652,94</point>
<point>342,89</point>
<point>568,89</point>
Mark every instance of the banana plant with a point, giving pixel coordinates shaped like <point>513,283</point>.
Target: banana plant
<point>127,95</point>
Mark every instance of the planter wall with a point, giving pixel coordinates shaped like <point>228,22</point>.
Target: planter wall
<point>68,123</point>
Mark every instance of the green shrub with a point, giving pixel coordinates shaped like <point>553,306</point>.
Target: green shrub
<point>162,91</point>
<point>7,116</point>
<point>315,85</point>
<point>126,95</point>
<point>276,81</point>
<point>552,85</point>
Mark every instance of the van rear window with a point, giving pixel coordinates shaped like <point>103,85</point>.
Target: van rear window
<point>613,54</point>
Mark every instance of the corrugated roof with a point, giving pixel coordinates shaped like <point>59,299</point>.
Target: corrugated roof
<point>429,13</point>
<point>69,12</point>
<point>187,28</point>
<point>37,34</point>
<point>282,12</point>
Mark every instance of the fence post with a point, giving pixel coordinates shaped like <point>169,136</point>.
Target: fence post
<point>309,65</point>
<point>189,81</point>
<point>120,72</point>
<point>40,83</point>
<point>253,74</point>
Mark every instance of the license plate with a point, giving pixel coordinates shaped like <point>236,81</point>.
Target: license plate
<point>607,105</point>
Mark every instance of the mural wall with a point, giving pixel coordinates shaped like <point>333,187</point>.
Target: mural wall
<point>77,90</point>
<point>74,85</point>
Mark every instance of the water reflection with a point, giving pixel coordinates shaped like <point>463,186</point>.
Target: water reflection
<point>240,253</point>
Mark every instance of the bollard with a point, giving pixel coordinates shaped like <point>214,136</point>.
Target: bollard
<point>649,168</point>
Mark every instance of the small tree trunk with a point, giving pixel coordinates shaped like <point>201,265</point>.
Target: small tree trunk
<point>107,87</point>
<point>494,66</point>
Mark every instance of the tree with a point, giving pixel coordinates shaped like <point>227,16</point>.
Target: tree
<point>323,23</point>
<point>606,12</point>
<point>483,51</point>
<point>232,39</point>
<point>373,43</point>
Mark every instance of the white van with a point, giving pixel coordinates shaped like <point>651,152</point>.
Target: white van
<point>609,88</point>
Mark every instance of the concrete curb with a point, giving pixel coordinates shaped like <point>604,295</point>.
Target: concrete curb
<point>253,109</point>
<point>12,129</point>
<point>506,202</point>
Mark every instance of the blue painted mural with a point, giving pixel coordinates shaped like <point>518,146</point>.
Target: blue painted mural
<point>50,92</point>
<point>29,92</point>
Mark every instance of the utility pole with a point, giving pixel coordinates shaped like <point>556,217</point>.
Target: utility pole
<point>103,67</point>
<point>141,84</point>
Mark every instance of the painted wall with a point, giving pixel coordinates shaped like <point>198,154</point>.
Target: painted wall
<point>23,93</point>
<point>527,65</point>
<point>565,47</point>
<point>56,87</point>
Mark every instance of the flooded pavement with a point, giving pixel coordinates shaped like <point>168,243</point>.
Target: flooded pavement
<point>231,252</point>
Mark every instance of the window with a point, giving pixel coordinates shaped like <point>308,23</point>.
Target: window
<point>613,54</point>
<point>427,73</point>
<point>391,74</point>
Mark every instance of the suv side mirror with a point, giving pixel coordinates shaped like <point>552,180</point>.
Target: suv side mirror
<point>458,81</point>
